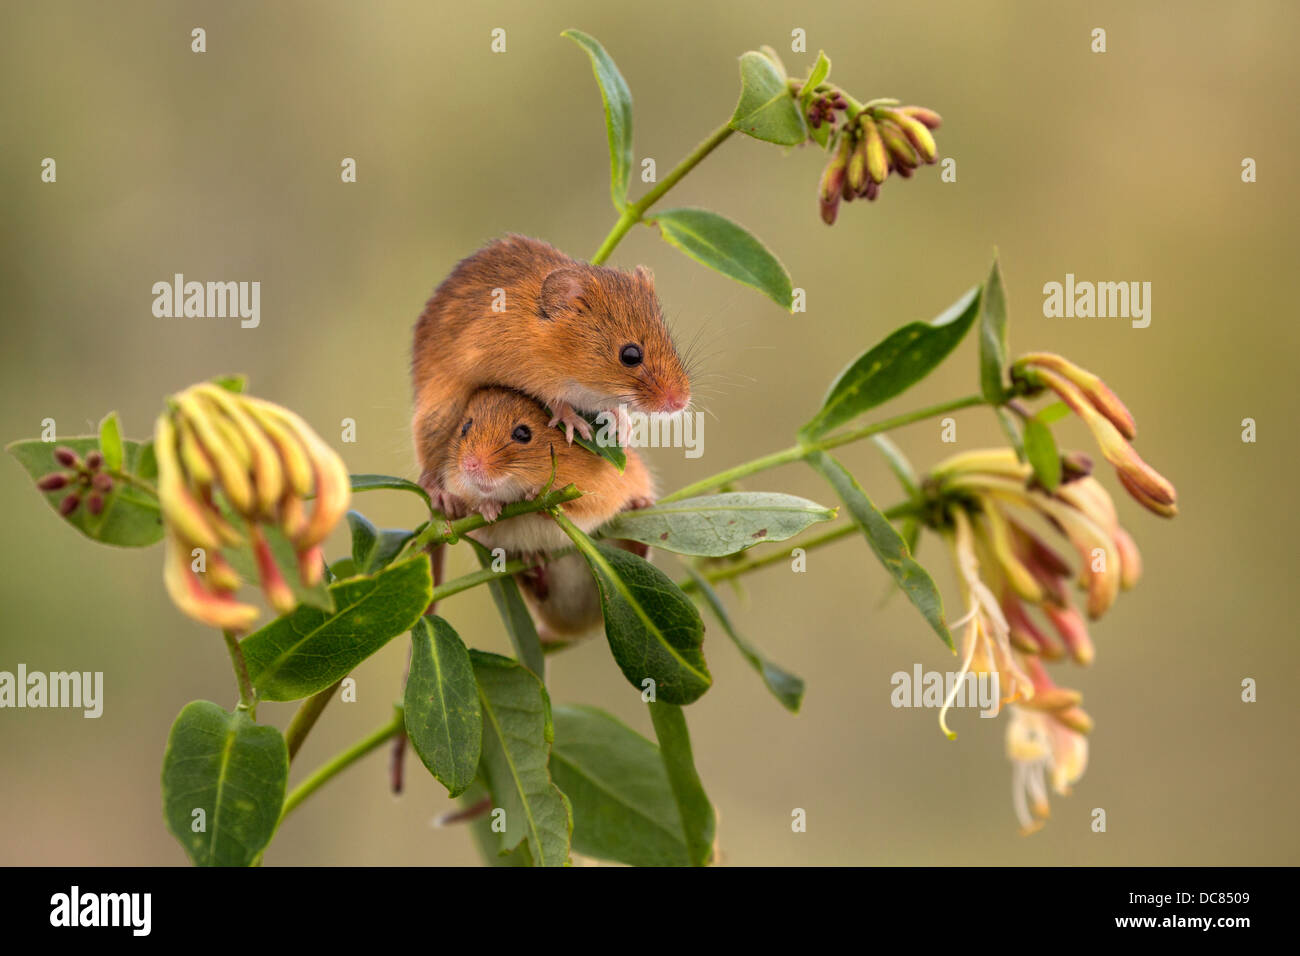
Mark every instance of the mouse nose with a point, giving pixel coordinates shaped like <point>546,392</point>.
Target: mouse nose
<point>675,401</point>
<point>472,464</point>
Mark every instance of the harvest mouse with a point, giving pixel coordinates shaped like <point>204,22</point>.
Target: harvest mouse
<point>521,314</point>
<point>502,453</point>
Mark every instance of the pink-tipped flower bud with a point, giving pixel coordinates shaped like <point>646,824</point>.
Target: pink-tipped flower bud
<point>930,118</point>
<point>94,461</point>
<point>857,173</point>
<point>102,482</point>
<point>874,148</point>
<point>899,148</point>
<point>53,482</point>
<point>69,504</point>
<point>1094,389</point>
<point>95,503</point>
<point>917,134</point>
<point>1069,624</point>
<point>1075,718</point>
<point>66,457</point>
<point>832,184</point>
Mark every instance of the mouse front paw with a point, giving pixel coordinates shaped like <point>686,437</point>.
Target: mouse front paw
<point>565,414</point>
<point>451,506</point>
<point>490,510</point>
<point>636,504</point>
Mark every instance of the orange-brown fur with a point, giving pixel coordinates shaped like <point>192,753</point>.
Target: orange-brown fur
<point>557,340</point>
<point>519,470</point>
<point>562,594</point>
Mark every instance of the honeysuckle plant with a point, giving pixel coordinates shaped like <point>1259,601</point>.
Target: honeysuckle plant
<point>243,490</point>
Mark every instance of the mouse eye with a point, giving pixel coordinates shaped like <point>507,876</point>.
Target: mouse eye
<point>630,355</point>
<point>522,434</point>
<point>464,429</point>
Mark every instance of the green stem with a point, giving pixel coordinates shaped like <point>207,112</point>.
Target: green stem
<point>475,578</point>
<point>247,697</point>
<point>633,212</point>
<point>127,478</point>
<point>341,762</point>
<point>304,719</point>
<point>441,531</point>
<point>801,451</point>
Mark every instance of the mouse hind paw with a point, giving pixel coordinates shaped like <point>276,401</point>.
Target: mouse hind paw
<point>565,414</point>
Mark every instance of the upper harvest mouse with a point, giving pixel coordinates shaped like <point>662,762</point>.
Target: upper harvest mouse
<point>519,313</point>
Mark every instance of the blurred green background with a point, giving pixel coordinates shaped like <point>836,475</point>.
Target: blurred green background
<point>1116,166</point>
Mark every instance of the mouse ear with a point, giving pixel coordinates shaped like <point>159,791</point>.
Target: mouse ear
<point>562,289</point>
<point>645,276</point>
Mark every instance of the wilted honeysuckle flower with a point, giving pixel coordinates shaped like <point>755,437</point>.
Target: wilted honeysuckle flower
<point>264,462</point>
<point>1108,420</point>
<point>878,139</point>
<point>1006,570</point>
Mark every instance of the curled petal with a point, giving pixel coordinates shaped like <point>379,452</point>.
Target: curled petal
<point>332,485</point>
<point>277,590</point>
<point>1027,636</point>
<point>225,448</point>
<point>1020,577</point>
<point>188,593</point>
<point>1069,624</point>
<point>268,474</point>
<point>191,518</point>
<point>1130,559</point>
<point>311,566</point>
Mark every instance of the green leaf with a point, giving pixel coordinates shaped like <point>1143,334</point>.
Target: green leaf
<point>775,57</point>
<point>444,721</point>
<point>1008,423</point>
<point>993,337</point>
<point>718,525</point>
<point>906,356</point>
<point>1049,414</point>
<point>603,441</point>
<point>722,245</point>
<point>131,517</point>
<point>344,568</point>
<point>1040,449</point>
<point>785,687</point>
<point>514,614</point>
<point>766,109</point>
<point>696,812</point>
<point>623,804</point>
<point>232,383</point>
<point>898,464</point>
<point>821,69</point>
<point>618,113</point>
<point>517,736</point>
<point>480,828</point>
<point>886,542</point>
<point>373,482</point>
<point>234,771</point>
<point>372,549</point>
<point>308,650</point>
<point>654,630</point>
<point>110,442</point>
